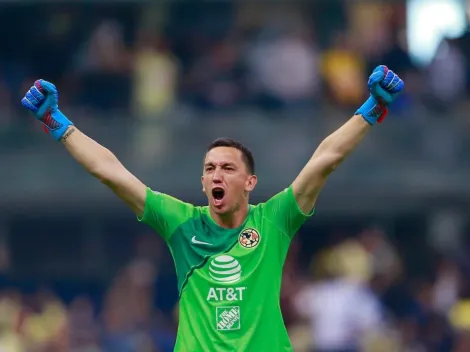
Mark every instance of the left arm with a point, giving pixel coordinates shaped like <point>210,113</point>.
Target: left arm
<point>329,154</point>
<point>384,85</point>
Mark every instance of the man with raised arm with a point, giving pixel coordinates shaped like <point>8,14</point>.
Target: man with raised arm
<point>229,254</point>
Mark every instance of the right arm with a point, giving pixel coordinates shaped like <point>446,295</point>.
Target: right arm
<point>101,163</point>
<point>162,212</point>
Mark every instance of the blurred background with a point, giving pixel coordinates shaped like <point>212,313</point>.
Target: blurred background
<point>385,262</point>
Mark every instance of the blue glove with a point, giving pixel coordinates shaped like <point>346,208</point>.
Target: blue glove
<point>384,86</point>
<point>43,100</point>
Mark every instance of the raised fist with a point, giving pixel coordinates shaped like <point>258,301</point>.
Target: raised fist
<point>42,99</point>
<point>385,85</point>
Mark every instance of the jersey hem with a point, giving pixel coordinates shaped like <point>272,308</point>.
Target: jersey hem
<point>305,215</point>
<point>146,207</point>
<point>146,215</point>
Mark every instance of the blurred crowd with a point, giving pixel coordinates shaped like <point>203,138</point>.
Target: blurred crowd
<point>146,59</point>
<point>121,316</point>
<point>360,295</point>
<point>38,315</point>
<point>361,291</point>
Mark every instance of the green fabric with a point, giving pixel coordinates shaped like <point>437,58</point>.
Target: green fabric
<point>229,279</point>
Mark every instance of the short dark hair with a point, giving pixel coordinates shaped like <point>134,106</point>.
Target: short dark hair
<point>247,155</point>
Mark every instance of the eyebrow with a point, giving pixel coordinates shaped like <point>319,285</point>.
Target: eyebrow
<point>224,163</point>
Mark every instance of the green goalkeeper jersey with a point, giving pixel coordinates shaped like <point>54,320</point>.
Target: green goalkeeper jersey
<point>229,280</point>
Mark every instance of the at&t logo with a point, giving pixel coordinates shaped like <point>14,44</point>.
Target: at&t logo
<point>225,268</point>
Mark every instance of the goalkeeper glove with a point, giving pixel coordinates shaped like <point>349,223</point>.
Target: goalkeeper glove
<point>43,100</point>
<point>384,86</point>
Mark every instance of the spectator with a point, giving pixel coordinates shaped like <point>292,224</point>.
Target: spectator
<point>84,331</point>
<point>342,68</point>
<point>340,309</point>
<point>104,67</point>
<point>284,69</point>
<point>155,76</point>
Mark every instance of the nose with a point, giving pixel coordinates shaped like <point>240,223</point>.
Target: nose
<point>217,177</point>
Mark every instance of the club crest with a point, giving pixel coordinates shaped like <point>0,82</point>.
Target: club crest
<point>249,238</point>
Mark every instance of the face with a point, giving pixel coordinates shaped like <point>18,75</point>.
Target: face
<point>226,180</point>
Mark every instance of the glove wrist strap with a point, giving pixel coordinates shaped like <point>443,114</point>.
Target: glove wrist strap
<point>55,123</point>
<point>373,111</point>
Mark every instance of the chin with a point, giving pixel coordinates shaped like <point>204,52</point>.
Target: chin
<point>220,210</point>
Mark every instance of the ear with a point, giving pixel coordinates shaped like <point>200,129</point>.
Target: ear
<point>202,181</point>
<point>251,183</point>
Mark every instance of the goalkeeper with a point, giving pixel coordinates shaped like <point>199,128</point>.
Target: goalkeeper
<point>229,254</point>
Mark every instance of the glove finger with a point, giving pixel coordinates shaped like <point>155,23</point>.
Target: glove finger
<point>379,93</point>
<point>49,104</point>
<point>388,79</point>
<point>46,86</point>
<point>377,75</point>
<point>38,85</point>
<point>396,86</point>
<point>28,105</point>
<point>37,94</point>
<point>51,90</point>
<point>399,87</point>
<point>32,99</point>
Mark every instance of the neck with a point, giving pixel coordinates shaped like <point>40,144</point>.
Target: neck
<point>232,219</point>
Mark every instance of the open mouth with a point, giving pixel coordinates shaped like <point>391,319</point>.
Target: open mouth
<point>218,194</point>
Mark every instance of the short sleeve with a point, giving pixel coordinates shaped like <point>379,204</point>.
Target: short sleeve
<point>284,212</point>
<point>164,213</point>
